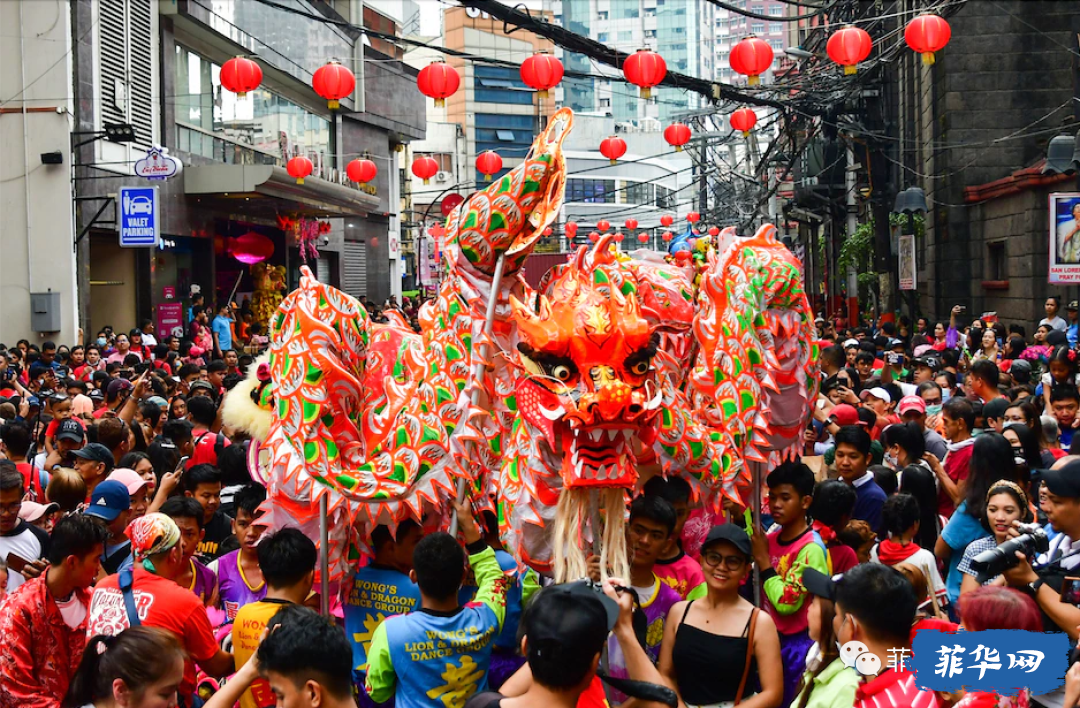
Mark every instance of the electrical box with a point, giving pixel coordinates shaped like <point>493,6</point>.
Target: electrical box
<point>45,312</point>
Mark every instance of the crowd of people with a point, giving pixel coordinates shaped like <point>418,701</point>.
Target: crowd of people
<point>136,568</point>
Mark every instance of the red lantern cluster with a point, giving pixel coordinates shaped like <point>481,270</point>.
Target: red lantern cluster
<point>542,72</point>
<point>667,220</point>
<point>241,75</point>
<point>603,225</point>
<point>425,168</point>
<point>613,148</point>
<point>927,34</point>
<point>438,80</point>
<point>299,167</point>
<point>571,228</point>
<point>488,163</point>
<point>751,57</point>
<point>849,46</point>
<point>643,237</point>
<point>743,120</point>
<point>333,82</point>
<point>645,68</point>
<point>677,135</point>
<point>361,171</point>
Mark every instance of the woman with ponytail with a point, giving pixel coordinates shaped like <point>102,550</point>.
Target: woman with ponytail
<point>139,668</point>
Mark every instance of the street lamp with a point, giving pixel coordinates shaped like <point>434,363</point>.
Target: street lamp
<point>1062,155</point>
<point>911,201</point>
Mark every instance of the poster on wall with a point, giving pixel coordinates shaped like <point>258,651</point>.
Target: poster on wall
<point>170,319</point>
<point>907,262</point>
<point>1064,237</point>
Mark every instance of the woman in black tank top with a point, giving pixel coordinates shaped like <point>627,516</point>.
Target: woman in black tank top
<point>720,650</point>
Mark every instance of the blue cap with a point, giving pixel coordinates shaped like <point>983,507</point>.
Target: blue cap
<point>109,499</point>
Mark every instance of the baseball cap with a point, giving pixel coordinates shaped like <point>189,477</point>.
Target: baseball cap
<point>158,401</point>
<point>32,511</point>
<point>1064,481</point>
<point>1072,306</point>
<point>844,414</point>
<point>96,395</point>
<point>202,384</point>
<point>109,500</point>
<point>848,343</point>
<point>922,350</point>
<point>817,583</point>
<point>195,351</point>
<point>96,452</point>
<point>735,535</point>
<point>152,534</point>
<point>929,362</point>
<point>118,385</point>
<point>127,477</point>
<point>70,429</point>
<point>571,620</point>
<point>995,408</point>
<point>893,343</point>
<point>912,403</point>
<point>1021,371</point>
<point>33,402</point>
<point>877,392</point>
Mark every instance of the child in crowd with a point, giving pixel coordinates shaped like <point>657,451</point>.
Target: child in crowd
<point>287,559</point>
<point>859,537</point>
<point>673,566</point>
<point>442,652</point>
<point>901,520</point>
<point>60,407</point>
<point>1065,404</point>
<point>203,484</point>
<point>195,576</point>
<point>240,579</point>
<point>383,588</point>
<point>831,511</point>
<point>781,557</point>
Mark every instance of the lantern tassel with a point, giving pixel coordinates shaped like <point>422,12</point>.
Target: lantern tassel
<point>542,93</point>
<point>646,92</point>
<point>241,94</point>
<point>427,181</point>
<point>753,80</point>
<point>487,178</point>
<point>928,58</point>
<point>334,105</point>
<point>746,133</point>
<point>850,69</point>
<point>614,162</point>
<point>299,180</point>
<point>440,102</point>
<point>678,148</point>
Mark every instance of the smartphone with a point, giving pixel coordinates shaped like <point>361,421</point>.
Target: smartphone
<point>16,563</point>
<point>963,308</point>
<point>180,464</point>
<point>1070,591</point>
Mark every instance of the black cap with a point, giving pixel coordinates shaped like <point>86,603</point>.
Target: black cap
<point>70,429</point>
<point>930,362</point>
<point>817,583</point>
<point>573,619</point>
<point>118,385</point>
<point>735,535</point>
<point>98,453</point>
<point>1064,481</point>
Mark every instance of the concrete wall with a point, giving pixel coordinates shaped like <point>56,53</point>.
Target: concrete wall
<point>36,236</point>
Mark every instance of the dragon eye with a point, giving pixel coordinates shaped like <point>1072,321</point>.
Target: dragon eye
<point>640,368</point>
<point>562,372</point>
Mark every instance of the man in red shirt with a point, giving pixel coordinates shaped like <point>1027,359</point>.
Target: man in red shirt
<point>159,600</point>
<point>202,412</point>
<point>959,418</point>
<point>43,623</point>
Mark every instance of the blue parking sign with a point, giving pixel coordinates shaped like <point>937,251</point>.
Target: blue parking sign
<point>138,207</point>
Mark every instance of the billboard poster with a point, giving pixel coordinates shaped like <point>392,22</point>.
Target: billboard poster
<point>1064,237</point>
<point>908,280</point>
<point>170,319</point>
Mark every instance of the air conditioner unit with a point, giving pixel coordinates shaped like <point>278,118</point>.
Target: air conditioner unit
<point>442,176</point>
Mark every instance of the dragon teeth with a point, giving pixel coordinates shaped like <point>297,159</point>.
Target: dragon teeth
<point>596,434</point>
<point>611,433</point>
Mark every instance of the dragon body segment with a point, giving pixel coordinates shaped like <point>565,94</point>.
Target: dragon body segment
<point>616,365</point>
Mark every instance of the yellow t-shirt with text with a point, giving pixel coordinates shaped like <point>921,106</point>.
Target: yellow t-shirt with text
<point>248,627</point>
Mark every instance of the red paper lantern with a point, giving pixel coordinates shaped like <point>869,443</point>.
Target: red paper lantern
<point>571,227</point>
<point>743,120</point>
<point>619,237</point>
<point>643,237</point>
<point>299,167</point>
<point>927,34</point>
<point>603,225</point>
<point>714,230</point>
<point>333,82</point>
<point>594,236</point>
<point>677,134</point>
<point>667,236</point>
<point>425,168</point>
<point>613,148</point>
<point>251,248</point>
<point>849,46</point>
<point>630,224</point>
<point>751,57</point>
<point>438,80</point>
<point>645,68</point>
<point>667,220</point>
<point>693,217</point>
<point>548,231</point>
<point>488,163</point>
<point>541,71</point>
<point>241,75</point>
<point>361,170</point>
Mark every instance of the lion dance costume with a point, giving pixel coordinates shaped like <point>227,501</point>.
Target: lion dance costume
<point>616,363</point>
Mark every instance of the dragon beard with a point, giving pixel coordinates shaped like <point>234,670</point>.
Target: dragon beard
<point>576,523</point>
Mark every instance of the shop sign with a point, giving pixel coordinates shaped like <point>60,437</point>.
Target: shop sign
<point>169,291</point>
<point>1064,237</point>
<point>907,262</point>
<point>170,319</point>
<point>158,164</point>
<point>139,213</point>
<point>394,245</point>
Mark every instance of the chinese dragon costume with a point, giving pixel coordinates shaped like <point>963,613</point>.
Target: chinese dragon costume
<point>615,366</point>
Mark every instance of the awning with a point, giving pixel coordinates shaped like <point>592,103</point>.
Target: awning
<point>266,186</point>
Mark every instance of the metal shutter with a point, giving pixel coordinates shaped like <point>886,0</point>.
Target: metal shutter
<point>354,276</point>
<point>126,44</point>
<point>322,270</point>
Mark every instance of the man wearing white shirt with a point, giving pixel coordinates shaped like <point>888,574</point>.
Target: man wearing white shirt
<point>1053,304</point>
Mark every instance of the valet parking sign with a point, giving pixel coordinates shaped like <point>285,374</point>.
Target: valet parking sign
<point>138,216</point>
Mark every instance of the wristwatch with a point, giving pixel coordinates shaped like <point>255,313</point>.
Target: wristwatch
<point>1034,586</point>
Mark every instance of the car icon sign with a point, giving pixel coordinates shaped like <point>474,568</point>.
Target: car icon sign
<point>141,205</point>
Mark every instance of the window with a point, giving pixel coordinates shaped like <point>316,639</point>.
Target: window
<point>757,9</point>
<point>640,193</point>
<point>496,84</point>
<point>605,103</point>
<point>776,11</point>
<point>601,36</point>
<point>664,198</point>
<point>757,28</point>
<point>776,44</point>
<point>650,12</point>
<point>602,15</point>
<point>626,36</point>
<point>650,34</point>
<point>445,160</point>
<point>509,135</point>
<point>596,191</point>
<point>996,269</point>
<point>776,27</point>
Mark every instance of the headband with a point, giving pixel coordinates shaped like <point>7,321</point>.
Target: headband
<point>1008,485</point>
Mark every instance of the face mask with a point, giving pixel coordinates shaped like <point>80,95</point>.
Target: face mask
<point>890,460</point>
<point>101,341</point>
<point>934,409</point>
<point>945,395</point>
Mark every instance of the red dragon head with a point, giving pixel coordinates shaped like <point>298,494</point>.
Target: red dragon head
<point>589,386</point>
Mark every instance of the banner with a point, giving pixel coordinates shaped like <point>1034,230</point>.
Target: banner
<point>907,262</point>
<point>1064,237</point>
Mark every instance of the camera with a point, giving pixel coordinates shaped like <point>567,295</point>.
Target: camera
<point>990,564</point>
